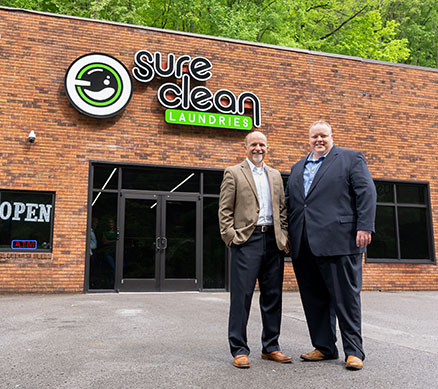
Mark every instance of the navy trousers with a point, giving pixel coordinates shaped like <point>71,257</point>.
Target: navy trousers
<point>330,288</point>
<point>257,259</point>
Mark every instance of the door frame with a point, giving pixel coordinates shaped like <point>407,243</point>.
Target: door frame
<point>159,283</point>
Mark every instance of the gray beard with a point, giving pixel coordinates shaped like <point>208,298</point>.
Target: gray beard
<point>257,158</point>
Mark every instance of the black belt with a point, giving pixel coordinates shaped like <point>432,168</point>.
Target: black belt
<point>265,228</point>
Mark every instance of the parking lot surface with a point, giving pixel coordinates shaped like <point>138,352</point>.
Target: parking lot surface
<point>179,340</point>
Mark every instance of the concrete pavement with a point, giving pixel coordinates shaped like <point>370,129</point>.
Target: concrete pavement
<point>179,340</point>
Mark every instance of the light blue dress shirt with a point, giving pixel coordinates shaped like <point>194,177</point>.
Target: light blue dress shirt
<point>310,169</point>
<point>263,194</point>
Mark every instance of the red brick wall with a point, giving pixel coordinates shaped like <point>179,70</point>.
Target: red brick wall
<point>388,112</point>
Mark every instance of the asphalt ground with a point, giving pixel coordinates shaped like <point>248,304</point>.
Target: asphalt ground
<point>179,340</point>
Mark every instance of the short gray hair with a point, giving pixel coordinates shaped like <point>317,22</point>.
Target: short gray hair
<point>255,132</point>
<point>323,123</point>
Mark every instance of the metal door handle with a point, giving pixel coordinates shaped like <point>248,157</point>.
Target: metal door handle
<point>157,243</point>
<point>165,243</point>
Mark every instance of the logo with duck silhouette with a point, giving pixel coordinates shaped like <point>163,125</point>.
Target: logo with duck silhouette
<point>98,85</point>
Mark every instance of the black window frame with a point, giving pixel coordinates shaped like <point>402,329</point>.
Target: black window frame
<point>37,250</point>
<point>398,205</point>
<point>120,166</point>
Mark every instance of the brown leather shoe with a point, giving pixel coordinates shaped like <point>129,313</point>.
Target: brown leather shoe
<point>353,363</point>
<point>277,356</point>
<point>241,361</point>
<point>315,356</point>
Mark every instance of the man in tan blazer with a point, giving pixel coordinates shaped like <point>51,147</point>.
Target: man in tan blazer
<point>252,219</point>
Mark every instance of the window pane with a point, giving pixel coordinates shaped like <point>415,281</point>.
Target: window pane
<point>385,192</point>
<point>139,240</point>
<point>212,182</point>
<point>214,248</point>
<point>26,220</point>
<point>102,174</point>
<point>181,239</point>
<point>411,194</point>
<point>413,233</point>
<point>384,244</point>
<point>166,180</point>
<point>104,226</point>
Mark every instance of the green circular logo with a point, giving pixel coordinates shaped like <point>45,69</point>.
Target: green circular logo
<point>98,85</point>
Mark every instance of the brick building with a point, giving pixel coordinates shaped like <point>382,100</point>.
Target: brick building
<point>119,188</point>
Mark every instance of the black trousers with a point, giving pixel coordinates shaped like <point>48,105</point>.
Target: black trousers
<point>258,258</point>
<point>330,288</point>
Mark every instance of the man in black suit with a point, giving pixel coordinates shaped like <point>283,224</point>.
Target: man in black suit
<point>331,203</point>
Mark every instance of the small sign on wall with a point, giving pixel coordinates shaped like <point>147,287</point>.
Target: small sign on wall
<point>26,220</point>
<point>24,245</point>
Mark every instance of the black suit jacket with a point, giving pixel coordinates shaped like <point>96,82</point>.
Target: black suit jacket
<point>340,201</point>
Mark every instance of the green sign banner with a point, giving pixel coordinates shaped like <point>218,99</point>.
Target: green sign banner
<point>207,119</point>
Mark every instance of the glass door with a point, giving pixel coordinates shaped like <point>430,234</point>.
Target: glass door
<point>180,251</point>
<point>137,267</point>
<point>159,242</point>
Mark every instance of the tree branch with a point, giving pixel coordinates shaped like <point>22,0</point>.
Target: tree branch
<point>261,33</point>
<point>343,23</point>
<point>317,6</point>
<point>268,5</point>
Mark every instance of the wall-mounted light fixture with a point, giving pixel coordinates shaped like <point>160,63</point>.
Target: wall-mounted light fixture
<point>31,137</point>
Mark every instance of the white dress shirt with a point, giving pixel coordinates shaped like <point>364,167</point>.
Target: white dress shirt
<point>263,194</point>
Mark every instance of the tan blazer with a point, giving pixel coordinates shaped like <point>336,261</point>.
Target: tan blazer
<point>239,205</point>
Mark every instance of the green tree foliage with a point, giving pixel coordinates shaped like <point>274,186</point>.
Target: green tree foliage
<point>350,27</point>
<point>132,11</point>
<point>390,30</point>
<point>418,23</point>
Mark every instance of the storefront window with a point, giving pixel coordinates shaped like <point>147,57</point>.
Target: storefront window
<point>214,248</point>
<point>26,220</point>
<point>149,231</point>
<point>105,177</point>
<point>212,181</point>
<point>159,179</point>
<point>403,227</point>
<point>103,240</point>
